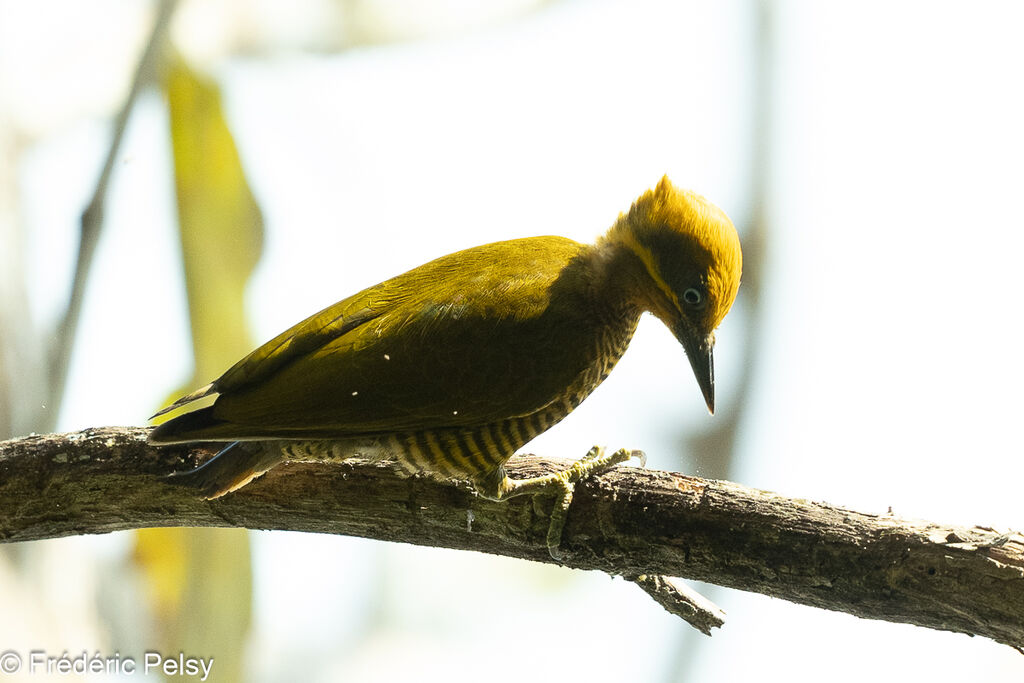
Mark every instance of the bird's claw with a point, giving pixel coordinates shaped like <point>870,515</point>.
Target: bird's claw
<point>561,485</point>
<point>594,462</point>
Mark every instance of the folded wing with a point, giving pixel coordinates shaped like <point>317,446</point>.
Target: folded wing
<point>467,339</point>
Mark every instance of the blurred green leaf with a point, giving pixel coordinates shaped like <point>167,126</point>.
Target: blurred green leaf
<point>221,224</point>
<point>200,580</point>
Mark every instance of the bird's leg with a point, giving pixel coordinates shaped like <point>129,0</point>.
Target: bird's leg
<point>560,485</point>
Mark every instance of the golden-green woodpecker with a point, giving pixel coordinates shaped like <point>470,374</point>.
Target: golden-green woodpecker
<point>453,366</point>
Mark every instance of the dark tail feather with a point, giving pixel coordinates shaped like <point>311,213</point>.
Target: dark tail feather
<point>199,425</point>
<point>231,469</point>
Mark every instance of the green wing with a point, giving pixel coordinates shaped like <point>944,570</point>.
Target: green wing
<point>470,338</point>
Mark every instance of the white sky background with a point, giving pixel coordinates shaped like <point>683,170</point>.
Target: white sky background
<point>889,371</point>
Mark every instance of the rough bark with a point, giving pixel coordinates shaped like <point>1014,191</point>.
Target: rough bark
<point>628,521</point>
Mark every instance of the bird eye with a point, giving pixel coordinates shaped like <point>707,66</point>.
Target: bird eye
<point>693,297</point>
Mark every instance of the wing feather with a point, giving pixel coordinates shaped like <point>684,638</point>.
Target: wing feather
<point>467,339</point>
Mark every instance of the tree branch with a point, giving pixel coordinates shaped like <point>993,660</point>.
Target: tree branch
<point>628,522</point>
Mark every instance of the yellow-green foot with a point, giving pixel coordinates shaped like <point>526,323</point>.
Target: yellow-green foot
<point>561,486</point>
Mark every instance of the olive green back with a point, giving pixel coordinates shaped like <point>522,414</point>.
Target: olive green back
<point>484,334</point>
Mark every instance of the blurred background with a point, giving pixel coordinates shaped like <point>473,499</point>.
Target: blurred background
<point>277,156</point>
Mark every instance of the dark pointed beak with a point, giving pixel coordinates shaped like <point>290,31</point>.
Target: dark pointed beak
<point>700,351</point>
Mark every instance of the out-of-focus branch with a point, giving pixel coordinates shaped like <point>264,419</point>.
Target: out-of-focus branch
<point>92,218</point>
<point>682,601</point>
<point>627,522</point>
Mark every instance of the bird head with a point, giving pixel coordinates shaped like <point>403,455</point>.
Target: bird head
<point>690,253</point>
